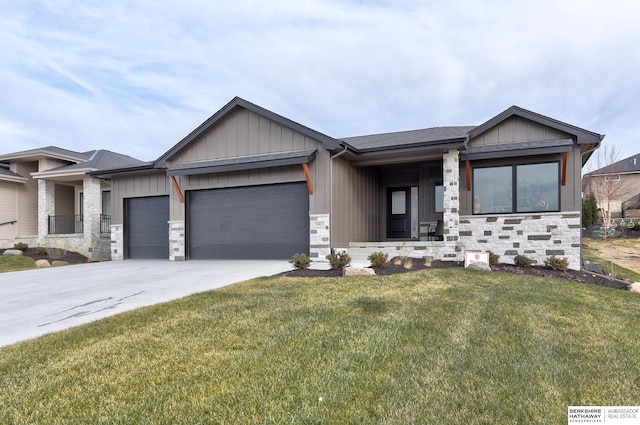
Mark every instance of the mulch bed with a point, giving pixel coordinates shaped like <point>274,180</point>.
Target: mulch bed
<point>394,267</point>
<point>61,255</point>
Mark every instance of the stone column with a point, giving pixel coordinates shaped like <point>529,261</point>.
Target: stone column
<point>92,209</point>
<point>451,183</point>
<point>46,207</point>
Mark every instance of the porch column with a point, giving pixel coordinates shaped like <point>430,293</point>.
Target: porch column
<point>46,207</point>
<point>92,208</point>
<point>451,183</point>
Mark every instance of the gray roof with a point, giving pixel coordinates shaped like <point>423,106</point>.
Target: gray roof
<point>103,160</point>
<point>4,171</point>
<point>627,165</point>
<point>402,139</point>
<point>252,162</point>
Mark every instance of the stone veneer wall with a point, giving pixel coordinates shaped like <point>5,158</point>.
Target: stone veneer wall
<point>117,242</point>
<point>537,236</point>
<point>176,240</point>
<point>319,241</point>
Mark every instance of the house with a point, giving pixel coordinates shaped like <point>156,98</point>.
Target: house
<point>616,187</point>
<point>47,199</point>
<point>249,183</point>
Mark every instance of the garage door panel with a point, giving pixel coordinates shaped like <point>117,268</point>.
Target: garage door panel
<point>258,222</point>
<point>147,228</point>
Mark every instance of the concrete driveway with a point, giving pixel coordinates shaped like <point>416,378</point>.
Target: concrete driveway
<point>36,302</point>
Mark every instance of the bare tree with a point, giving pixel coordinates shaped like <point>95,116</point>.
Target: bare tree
<point>607,184</point>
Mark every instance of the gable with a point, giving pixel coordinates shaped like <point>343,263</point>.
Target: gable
<point>243,133</point>
<point>516,129</point>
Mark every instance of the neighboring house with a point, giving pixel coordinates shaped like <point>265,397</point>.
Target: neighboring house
<point>249,183</point>
<point>616,187</point>
<point>47,199</point>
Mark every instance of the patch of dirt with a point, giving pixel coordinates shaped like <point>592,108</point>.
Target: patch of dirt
<point>61,255</point>
<point>397,266</point>
<point>623,252</point>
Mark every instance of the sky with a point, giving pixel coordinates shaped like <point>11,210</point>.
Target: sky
<point>136,76</point>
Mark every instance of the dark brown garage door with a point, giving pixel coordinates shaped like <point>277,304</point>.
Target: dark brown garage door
<point>257,222</point>
<point>147,228</point>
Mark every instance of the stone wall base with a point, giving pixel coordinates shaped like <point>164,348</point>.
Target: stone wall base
<point>117,242</point>
<point>96,250</point>
<point>320,237</point>
<point>176,240</point>
<point>537,236</point>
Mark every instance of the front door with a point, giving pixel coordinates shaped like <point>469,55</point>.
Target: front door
<point>399,213</point>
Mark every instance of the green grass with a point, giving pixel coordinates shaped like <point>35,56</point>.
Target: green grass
<point>11,263</point>
<point>440,346</point>
<point>610,268</point>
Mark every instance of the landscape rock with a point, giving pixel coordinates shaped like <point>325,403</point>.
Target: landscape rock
<point>479,266</point>
<point>43,263</point>
<point>355,271</point>
<point>59,263</point>
<point>635,287</point>
<point>15,252</point>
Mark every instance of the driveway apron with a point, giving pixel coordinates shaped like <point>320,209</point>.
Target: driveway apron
<point>40,301</point>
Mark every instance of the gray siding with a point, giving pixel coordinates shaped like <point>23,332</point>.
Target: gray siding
<point>516,129</point>
<point>357,204</point>
<point>135,186</point>
<point>243,133</point>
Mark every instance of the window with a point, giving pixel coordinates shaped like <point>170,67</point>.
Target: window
<point>106,202</point>
<point>612,178</point>
<point>516,188</point>
<point>438,202</point>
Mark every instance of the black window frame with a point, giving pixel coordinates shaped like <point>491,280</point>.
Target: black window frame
<point>514,188</point>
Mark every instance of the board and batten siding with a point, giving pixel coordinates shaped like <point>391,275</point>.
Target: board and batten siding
<point>243,133</point>
<point>136,186</point>
<point>516,129</point>
<point>356,205</point>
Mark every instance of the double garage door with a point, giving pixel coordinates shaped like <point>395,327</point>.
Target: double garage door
<point>256,222</point>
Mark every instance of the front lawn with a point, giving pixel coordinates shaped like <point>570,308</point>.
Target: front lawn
<point>449,346</point>
<point>11,263</point>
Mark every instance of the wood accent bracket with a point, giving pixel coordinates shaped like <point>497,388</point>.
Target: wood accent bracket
<point>468,165</point>
<point>564,168</point>
<point>305,167</point>
<point>176,186</point>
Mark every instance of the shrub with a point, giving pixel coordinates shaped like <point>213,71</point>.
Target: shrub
<point>41,250</point>
<point>339,260</point>
<point>378,259</point>
<point>300,261</point>
<point>555,263</point>
<point>589,211</point>
<point>493,259</point>
<point>522,261</point>
<point>21,246</point>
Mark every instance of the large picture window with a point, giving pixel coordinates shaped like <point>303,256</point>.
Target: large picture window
<point>516,188</point>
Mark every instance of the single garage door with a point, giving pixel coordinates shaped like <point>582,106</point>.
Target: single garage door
<point>147,228</point>
<point>257,222</point>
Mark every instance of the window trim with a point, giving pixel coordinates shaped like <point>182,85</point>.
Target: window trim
<point>514,187</point>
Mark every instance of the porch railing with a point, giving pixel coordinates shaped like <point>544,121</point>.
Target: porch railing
<point>68,224</point>
<point>65,224</point>
<point>105,223</point>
